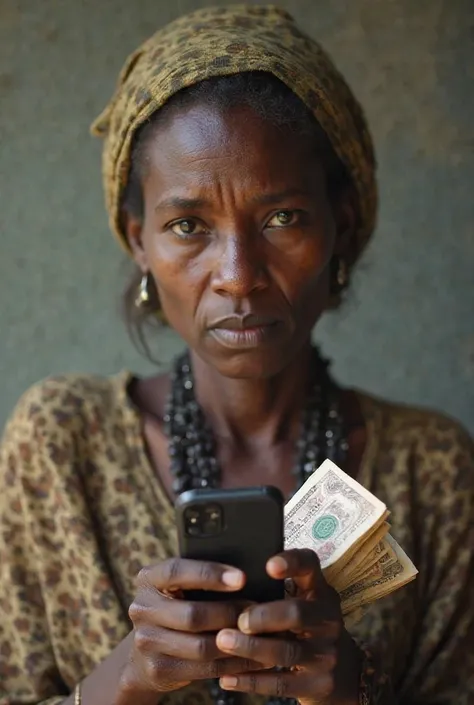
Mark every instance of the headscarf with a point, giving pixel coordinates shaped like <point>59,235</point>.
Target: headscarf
<point>221,41</point>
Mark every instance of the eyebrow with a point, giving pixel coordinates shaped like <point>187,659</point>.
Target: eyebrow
<point>181,203</point>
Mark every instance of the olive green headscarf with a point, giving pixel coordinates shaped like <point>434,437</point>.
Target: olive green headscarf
<point>229,40</point>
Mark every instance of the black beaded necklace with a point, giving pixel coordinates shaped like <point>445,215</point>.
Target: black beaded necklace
<point>191,445</point>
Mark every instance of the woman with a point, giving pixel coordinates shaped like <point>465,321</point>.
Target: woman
<point>239,174</point>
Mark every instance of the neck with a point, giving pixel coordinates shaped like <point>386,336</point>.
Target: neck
<point>254,410</point>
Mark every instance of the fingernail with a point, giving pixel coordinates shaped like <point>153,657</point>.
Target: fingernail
<point>244,622</point>
<point>232,578</point>
<point>226,639</point>
<point>228,682</point>
<point>280,564</point>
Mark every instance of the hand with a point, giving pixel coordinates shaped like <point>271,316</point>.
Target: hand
<point>173,642</point>
<point>320,659</point>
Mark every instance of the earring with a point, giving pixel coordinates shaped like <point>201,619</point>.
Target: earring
<point>340,275</point>
<point>143,296</point>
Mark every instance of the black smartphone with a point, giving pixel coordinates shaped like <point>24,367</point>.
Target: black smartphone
<point>239,527</point>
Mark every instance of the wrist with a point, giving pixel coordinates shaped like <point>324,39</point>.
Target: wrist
<point>131,691</point>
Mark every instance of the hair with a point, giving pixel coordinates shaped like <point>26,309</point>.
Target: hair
<point>266,96</point>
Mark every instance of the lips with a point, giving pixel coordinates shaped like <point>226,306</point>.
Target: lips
<point>249,321</point>
<point>247,331</point>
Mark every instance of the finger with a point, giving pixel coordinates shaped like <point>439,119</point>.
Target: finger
<point>161,668</point>
<point>183,574</point>
<point>317,687</point>
<point>273,652</point>
<point>318,618</point>
<point>189,647</point>
<point>151,609</point>
<point>301,565</point>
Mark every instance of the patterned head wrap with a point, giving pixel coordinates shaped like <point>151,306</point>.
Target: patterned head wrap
<point>229,40</point>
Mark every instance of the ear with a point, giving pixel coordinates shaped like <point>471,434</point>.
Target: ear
<point>345,211</point>
<point>133,228</point>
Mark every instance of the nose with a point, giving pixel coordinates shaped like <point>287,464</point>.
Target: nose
<point>240,269</point>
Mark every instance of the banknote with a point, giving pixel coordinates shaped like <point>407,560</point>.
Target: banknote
<point>346,525</point>
<point>330,513</point>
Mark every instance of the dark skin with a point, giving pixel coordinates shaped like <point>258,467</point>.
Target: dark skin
<point>238,221</point>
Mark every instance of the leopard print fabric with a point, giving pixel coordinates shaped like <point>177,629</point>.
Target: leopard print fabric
<point>81,511</point>
<point>227,40</point>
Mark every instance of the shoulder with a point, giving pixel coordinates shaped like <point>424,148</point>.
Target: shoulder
<point>423,429</point>
<point>435,449</point>
<point>61,405</point>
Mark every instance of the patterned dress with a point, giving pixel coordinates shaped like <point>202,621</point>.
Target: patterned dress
<point>82,510</point>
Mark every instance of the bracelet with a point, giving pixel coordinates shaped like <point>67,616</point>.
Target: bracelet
<point>77,695</point>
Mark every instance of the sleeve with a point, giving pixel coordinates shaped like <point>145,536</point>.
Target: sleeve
<point>28,670</point>
<point>441,663</point>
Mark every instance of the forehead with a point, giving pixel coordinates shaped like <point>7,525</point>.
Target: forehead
<point>200,142</point>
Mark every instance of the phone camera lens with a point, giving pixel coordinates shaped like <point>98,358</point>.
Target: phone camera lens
<point>193,521</point>
<point>212,521</point>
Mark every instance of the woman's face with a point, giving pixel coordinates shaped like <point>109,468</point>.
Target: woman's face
<point>238,233</point>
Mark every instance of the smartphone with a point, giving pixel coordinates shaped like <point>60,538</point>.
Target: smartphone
<point>239,527</point>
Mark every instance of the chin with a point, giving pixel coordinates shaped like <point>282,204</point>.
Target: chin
<point>254,364</point>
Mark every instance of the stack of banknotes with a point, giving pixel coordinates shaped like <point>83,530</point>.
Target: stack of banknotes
<point>348,528</point>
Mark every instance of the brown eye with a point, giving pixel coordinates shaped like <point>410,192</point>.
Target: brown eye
<point>281,219</point>
<point>186,228</point>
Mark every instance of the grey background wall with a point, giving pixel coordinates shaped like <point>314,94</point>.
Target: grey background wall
<point>407,331</point>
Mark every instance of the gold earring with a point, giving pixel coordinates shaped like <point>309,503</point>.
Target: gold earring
<point>143,296</point>
<point>339,275</point>
<point>342,274</point>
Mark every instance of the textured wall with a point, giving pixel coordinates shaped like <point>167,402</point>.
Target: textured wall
<point>408,329</point>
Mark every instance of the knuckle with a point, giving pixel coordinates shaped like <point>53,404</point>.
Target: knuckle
<point>136,612</point>
<point>310,558</point>
<point>171,571</point>
<point>248,664</point>
<point>143,577</point>
<point>207,573</point>
<point>254,647</point>
<point>216,669</point>
<point>193,617</point>
<point>142,640</point>
<point>203,649</point>
<point>296,613</point>
<point>291,654</point>
<point>252,682</point>
<point>157,669</point>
